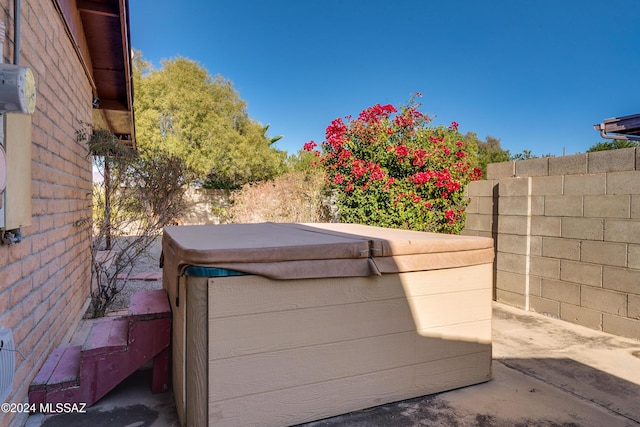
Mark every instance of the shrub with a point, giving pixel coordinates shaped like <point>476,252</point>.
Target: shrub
<point>392,168</point>
<point>292,197</point>
<point>134,199</point>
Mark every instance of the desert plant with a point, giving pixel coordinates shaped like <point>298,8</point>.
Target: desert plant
<point>132,202</point>
<point>292,197</point>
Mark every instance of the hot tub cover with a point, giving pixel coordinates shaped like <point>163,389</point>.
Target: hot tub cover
<point>296,251</point>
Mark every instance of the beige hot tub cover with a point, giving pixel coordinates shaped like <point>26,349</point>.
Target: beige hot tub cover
<point>297,251</point>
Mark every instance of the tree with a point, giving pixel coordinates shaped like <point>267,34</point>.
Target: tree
<point>303,161</point>
<point>489,151</point>
<point>613,145</point>
<point>136,197</point>
<point>183,111</point>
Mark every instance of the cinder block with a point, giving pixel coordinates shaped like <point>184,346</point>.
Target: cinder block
<point>483,188</point>
<point>568,165</point>
<point>513,263</point>
<point>585,184</point>
<point>544,306</point>
<point>623,182</point>
<point>581,272</point>
<point>513,187</point>
<point>546,226</point>
<point>537,205</point>
<point>533,167</point>
<point>622,231</point>
<point>563,206</point>
<point>547,185</point>
<point>607,206</point>
<point>510,298</point>
<point>467,232</point>
<point>479,222</point>
<point>635,205</point>
<point>513,205</point>
<point>633,256</point>
<point>472,206</point>
<point>583,228</point>
<point>535,286</point>
<point>621,279</point>
<point>509,224</point>
<point>553,247</point>
<point>512,243</point>
<point>536,246</point>
<point>548,268</point>
<point>561,291</point>
<point>487,205</point>
<point>501,170</point>
<point>605,253</point>
<point>603,300</point>
<point>621,326</point>
<point>633,310</point>
<point>511,282</point>
<point>612,160</point>
<point>581,316</point>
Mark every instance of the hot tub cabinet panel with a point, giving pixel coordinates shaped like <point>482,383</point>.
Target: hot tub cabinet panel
<point>251,350</point>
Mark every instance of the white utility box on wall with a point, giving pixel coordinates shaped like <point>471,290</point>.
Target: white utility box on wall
<point>16,208</point>
<point>17,103</point>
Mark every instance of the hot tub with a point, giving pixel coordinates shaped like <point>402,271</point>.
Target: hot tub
<point>279,324</point>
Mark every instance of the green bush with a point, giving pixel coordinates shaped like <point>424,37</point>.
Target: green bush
<point>393,169</point>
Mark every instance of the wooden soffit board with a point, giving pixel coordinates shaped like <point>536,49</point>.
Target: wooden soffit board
<point>99,31</point>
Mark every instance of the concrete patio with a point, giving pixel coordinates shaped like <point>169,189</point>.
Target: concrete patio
<point>546,372</point>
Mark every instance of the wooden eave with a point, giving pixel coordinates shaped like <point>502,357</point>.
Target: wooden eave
<point>625,125</point>
<point>100,32</point>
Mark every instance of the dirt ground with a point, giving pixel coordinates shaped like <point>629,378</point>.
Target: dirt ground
<point>147,263</point>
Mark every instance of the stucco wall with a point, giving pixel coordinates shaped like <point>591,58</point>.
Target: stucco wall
<point>567,234</point>
<point>44,280</point>
<point>205,206</point>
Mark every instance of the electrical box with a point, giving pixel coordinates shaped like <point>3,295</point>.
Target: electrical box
<point>16,209</point>
<point>17,89</point>
<point>17,95</point>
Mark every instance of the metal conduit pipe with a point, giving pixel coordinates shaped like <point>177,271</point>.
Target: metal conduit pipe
<point>16,32</point>
<point>606,135</point>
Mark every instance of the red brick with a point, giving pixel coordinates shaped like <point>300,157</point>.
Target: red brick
<point>19,291</point>
<point>10,275</point>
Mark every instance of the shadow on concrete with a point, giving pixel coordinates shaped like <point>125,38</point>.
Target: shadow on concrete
<point>130,404</point>
<point>524,392</point>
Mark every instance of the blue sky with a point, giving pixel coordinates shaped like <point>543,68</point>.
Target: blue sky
<point>537,74</point>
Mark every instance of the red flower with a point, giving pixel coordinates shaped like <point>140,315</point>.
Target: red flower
<point>309,146</point>
<point>375,113</point>
<point>418,157</point>
<point>454,126</point>
<point>401,151</point>
<point>421,178</point>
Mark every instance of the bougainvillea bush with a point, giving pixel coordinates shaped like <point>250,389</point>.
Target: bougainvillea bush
<point>392,168</point>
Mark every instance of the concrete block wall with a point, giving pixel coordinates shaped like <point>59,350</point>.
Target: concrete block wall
<point>44,280</point>
<point>567,235</point>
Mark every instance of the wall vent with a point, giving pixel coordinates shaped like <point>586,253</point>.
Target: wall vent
<point>7,363</point>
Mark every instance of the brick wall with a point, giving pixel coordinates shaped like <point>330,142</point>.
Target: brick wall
<point>44,280</point>
<point>567,234</point>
